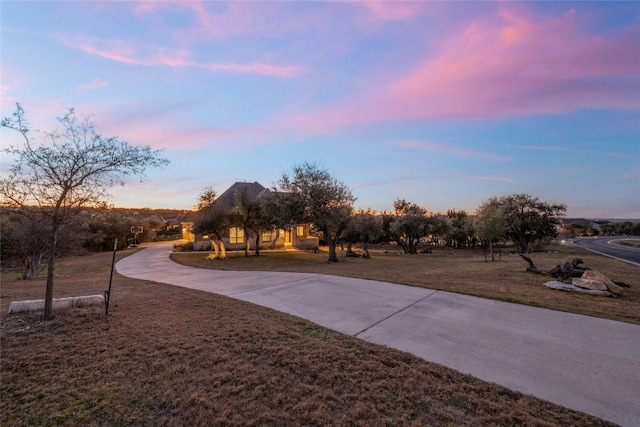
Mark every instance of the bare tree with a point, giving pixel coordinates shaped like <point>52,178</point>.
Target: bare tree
<point>67,169</point>
<point>206,198</point>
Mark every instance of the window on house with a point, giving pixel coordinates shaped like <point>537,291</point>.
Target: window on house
<point>236,235</point>
<point>300,230</point>
<point>266,236</point>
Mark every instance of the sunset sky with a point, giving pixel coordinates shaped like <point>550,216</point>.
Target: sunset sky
<point>444,104</point>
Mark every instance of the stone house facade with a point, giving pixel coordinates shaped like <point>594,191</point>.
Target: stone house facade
<point>295,237</point>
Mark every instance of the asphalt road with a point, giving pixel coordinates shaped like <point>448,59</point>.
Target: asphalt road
<point>603,246</point>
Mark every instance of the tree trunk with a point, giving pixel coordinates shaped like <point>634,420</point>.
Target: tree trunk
<point>523,245</point>
<point>51,270</point>
<point>216,251</point>
<point>365,248</point>
<point>491,249</point>
<point>274,240</point>
<point>333,257</point>
<point>561,272</point>
<point>247,242</point>
<point>350,249</point>
<point>532,267</point>
<point>257,244</point>
<point>223,250</point>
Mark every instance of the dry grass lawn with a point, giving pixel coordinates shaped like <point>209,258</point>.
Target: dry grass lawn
<point>171,356</point>
<point>634,243</point>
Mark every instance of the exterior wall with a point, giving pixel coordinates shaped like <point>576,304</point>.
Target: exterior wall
<point>301,238</point>
<point>309,243</point>
<point>200,243</point>
<point>279,239</point>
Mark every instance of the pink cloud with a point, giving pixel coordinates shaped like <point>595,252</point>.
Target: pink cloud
<point>12,81</point>
<point>633,173</point>
<point>255,68</point>
<point>165,135</point>
<point>513,64</point>
<point>222,20</point>
<point>95,84</point>
<point>236,19</point>
<point>127,54</point>
<point>153,122</point>
<point>380,10</point>
<point>503,64</point>
<point>450,149</point>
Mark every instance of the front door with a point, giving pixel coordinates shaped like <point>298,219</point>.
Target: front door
<point>288,238</point>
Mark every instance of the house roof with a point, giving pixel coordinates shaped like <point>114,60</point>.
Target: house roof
<point>228,199</point>
<point>185,217</point>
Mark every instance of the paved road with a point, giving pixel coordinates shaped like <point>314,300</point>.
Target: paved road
<point>603,246</point>
<point>580,362</point>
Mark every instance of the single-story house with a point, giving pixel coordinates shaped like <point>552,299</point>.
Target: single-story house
<point>296,237</point>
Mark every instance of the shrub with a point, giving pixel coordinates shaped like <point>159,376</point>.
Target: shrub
<point>183,247</point>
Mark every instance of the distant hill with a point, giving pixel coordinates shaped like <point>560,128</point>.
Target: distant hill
<point>145,212</point>
<point>587,221</point>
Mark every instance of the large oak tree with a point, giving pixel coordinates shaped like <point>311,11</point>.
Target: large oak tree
<point>525,220</point>
<point>312,195</point>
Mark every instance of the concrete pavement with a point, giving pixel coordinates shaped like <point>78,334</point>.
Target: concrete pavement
<point>580,362</point>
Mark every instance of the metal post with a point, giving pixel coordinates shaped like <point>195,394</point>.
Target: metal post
<point>107,293</point>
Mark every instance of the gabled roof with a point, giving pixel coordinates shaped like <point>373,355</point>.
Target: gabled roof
<point>228,199</point>
<point>185,217</point>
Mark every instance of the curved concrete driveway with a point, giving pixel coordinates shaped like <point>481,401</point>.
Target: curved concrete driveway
<point>580,362</point>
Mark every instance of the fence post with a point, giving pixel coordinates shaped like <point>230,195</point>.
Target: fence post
<point>107,293</point>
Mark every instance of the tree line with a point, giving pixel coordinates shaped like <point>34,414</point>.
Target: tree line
<point>24,236</point>
<point>584,228</point>
<point>310,195</point>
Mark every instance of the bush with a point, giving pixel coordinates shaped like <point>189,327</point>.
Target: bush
<point>183,247</point>
<point>540,245</point>
<point>169,232</point>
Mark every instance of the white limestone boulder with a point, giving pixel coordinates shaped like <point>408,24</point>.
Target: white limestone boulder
<point>595,285</point>
<point>58,303</point>
<point>596,275</point>
<point>554,284</point>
